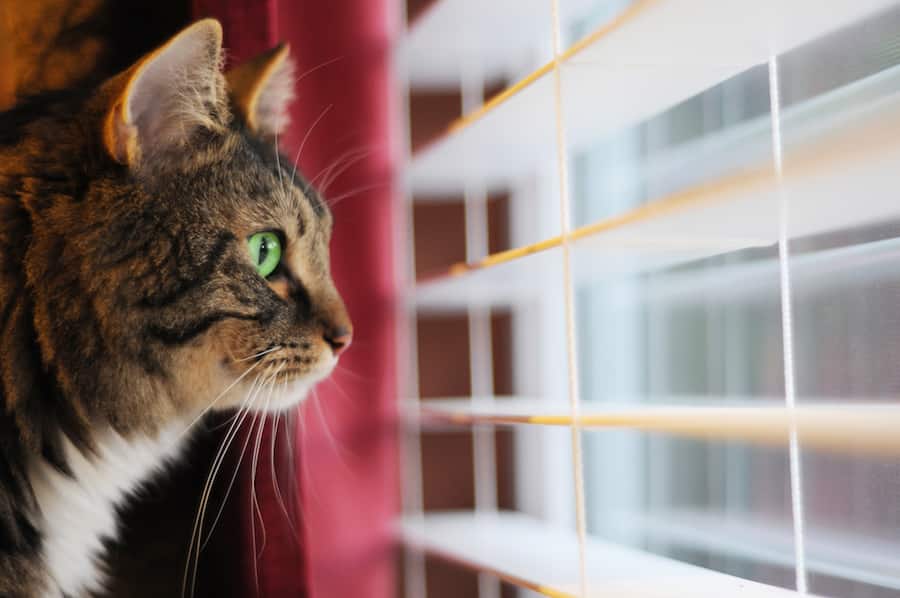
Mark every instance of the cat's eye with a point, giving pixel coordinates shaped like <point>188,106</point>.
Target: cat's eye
<point>265,252</point>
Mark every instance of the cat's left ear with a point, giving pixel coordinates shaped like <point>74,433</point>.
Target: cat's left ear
<point>162,102</point>
<point>262,89</point>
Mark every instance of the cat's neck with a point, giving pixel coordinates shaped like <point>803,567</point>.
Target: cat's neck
<point>78,511</point>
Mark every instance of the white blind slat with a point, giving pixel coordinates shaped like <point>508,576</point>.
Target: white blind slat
<point>832,143</point>
<point>533,555</point>
<point>498,35</point>
<point>655,56</point>
<point>850,425</point>
<point>835,553</point>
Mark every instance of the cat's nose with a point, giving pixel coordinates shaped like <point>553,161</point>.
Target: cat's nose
<point>339,339</point>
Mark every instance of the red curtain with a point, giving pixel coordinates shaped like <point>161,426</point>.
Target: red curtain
<point>344,444</point>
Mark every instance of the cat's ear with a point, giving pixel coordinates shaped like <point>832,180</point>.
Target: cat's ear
<point>262,89</point>
<point>161,101</point>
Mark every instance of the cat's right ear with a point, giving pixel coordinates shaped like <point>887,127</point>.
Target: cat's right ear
<point>159,103</point>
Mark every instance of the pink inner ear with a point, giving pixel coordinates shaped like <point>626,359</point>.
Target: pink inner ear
<point>271,110</point>
<point>178,90</point>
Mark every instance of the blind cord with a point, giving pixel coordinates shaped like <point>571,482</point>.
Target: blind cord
<point>787,332</point>
<point>571,353</point>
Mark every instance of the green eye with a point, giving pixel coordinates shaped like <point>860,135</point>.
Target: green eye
<point>265,252</point>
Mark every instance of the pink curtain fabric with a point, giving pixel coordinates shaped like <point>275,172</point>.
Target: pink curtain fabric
<point>344,461</point>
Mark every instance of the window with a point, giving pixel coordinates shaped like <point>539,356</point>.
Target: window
<point>701,296</point>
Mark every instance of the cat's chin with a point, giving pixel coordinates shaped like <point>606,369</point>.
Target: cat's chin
<point>292,392</point>
<point>286,396</point>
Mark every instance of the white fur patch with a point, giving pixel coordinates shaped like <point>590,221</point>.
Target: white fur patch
<point>286,396</point>
<point>79,512</point>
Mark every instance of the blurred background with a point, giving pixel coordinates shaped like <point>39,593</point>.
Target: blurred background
<point>652,276</point>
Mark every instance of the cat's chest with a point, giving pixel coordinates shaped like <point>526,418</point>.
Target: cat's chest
<point>80,511</point>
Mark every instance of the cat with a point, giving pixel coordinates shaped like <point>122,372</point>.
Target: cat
<point>159,259</point>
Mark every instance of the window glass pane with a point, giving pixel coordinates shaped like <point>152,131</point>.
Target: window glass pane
<point>846,322</point>
<point>710,330</point>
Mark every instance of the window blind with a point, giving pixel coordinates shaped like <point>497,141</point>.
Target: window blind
<point>702,278</point>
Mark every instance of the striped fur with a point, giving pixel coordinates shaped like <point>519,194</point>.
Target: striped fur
<point>128,303</point>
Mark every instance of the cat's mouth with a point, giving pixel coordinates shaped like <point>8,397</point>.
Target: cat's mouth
<point>274,378</point>
<point>281,366</point>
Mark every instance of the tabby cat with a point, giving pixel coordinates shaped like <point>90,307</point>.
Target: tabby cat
<point>158,260</point>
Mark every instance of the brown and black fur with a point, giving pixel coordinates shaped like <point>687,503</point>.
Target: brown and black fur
<point>126,295</point>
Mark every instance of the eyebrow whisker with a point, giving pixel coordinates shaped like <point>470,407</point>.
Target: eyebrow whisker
<point>305,139</point>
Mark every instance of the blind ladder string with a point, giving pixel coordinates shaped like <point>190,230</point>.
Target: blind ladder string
<point>571,351</point>
<point>787,332</point>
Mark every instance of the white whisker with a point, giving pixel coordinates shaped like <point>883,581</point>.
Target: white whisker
<point>338,167</point>
<point>276,488</point>
<point>309,486</point>
<point>306,138</point>
<point>212,403</point>
<point>284,190</point>
<point>254,501</point>
<point>333,201</point>
<point>317,67</point>
<point>196,534</point>
<point>289,430</point>
<point>260,354</point>
<point>340,452</point>
<point>237,468</point>
<point>341,394</point>
<point>234,475</point>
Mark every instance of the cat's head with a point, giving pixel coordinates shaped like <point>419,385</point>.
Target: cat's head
<point>197,260</point>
